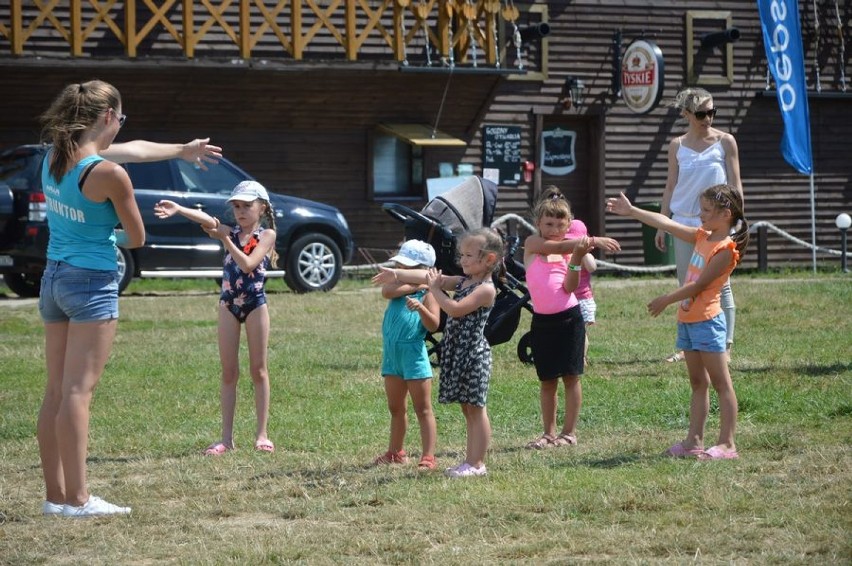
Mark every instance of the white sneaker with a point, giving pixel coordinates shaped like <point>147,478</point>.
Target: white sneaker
<point>465,470</point>
<point>94,507</point>
<point>48,508</point>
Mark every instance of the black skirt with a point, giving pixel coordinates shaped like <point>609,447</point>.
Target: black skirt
<point>557,342</point>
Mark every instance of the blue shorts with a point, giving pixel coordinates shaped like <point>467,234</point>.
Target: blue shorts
<point>77,294</point>
<point>706,336</point>
<point>408,360</point>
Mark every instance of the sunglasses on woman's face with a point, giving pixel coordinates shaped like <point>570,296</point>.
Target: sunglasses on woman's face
<point>701,114</point>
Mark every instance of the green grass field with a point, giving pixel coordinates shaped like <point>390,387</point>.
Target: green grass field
<point>613,498</point>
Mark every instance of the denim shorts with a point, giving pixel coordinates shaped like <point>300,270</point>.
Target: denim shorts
<point>705,336</point>
<point>77,294</point>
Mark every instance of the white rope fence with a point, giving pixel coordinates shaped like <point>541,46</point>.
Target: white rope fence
<point>525,224</point>
<point>752,228</point>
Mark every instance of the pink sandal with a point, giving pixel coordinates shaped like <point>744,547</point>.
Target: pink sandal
<point>216,449</point>
<point>718,453</point>
<point>679,451</point>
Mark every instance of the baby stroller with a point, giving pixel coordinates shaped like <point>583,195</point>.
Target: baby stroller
<point>467,206</point>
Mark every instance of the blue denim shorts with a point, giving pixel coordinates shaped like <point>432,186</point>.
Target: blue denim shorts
<point>77,294</point>
<point>706,336</point>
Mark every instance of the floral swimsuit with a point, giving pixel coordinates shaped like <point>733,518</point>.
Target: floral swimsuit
<point>243,292</point>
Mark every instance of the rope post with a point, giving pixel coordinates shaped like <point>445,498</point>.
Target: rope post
<point>762,253</point>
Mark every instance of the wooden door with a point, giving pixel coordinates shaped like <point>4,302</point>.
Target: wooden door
<point>568,150</point>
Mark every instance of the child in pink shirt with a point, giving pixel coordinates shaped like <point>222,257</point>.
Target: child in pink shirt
<point>557,332</point>
<point>588,307</point>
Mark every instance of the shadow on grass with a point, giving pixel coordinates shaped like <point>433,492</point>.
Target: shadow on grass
<point>614,461</point>
<point>324,476</point>
<point>114,460</point>
<point>811,370</point>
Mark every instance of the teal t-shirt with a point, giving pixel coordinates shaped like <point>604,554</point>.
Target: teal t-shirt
<point>82,232</point>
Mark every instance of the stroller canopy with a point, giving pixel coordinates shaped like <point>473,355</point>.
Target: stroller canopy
<point>464,207</point>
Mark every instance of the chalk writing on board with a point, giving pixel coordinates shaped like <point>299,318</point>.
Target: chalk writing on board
<point>558,147</point>
<point>501,154</point>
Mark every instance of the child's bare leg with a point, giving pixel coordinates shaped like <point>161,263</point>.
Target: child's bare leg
<point>720,377</point>
<point>548,397</point>
<point>229,347</point>
<point>573,402</point>
<point>699,406</point>
<point>257,336</point>
<point>478,434</point>
<point>396,392</point>
<point>421,397</point>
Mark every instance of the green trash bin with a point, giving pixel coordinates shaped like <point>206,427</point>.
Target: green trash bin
<point>653,256</point>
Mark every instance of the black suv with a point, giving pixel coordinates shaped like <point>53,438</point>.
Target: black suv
<point>314,240</point>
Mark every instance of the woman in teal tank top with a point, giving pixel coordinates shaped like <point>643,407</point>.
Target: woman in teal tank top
<point>86,197</point>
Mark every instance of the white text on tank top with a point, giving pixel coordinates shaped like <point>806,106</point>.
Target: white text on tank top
<point>697,171</point>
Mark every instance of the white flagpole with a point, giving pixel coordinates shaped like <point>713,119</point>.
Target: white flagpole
<point>813,221</point>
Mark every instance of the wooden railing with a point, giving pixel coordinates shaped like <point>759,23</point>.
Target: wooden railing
<point>455,29</point>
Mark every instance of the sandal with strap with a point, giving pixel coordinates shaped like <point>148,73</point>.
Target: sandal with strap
<point>426,463</point>
<point>217,449</point>
<point>544,441</point>
<point>565,440</point>
<point>676,357</point>
<point>391,457</point>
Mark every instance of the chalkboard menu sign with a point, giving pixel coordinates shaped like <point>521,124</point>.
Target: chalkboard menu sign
<point>501,156</point>
<point>557,151</point>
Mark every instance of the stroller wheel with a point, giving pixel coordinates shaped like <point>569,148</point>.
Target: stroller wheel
<point>525,349</point>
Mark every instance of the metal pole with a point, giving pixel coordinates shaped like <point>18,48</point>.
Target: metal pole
<point>813,221</point>
<point>762,254</point>
<point>843,250</point>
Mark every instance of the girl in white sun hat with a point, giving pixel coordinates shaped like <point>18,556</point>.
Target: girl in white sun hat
<point>411,312</point>
<point>250,251</point>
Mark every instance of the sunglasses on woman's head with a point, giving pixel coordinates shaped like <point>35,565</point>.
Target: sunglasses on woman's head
<point>701,114</point>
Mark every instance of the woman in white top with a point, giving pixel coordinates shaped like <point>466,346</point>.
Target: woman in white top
<point>700,158</point>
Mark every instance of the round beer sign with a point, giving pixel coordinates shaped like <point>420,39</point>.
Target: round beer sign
<point>642,74</point>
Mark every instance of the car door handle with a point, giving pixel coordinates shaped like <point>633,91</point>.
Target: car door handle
<point>199,206</point>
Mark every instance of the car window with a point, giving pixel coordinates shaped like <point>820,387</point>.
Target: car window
<point>217,179</point>
<point>20,170</point>
<point>155,176</point>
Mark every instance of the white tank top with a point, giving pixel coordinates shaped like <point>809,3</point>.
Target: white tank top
<point>696,171</point>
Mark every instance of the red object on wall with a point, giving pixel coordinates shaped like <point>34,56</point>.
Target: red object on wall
<point>529,168</point>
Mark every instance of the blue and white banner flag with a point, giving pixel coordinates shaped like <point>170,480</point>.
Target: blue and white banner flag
<point>782,38</point>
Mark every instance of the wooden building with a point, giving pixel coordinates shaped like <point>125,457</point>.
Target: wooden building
<point>341,100</point>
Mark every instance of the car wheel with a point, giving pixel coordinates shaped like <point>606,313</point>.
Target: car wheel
<point>25,285</point>
<point>126,268</point>
<point>313,263</point>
